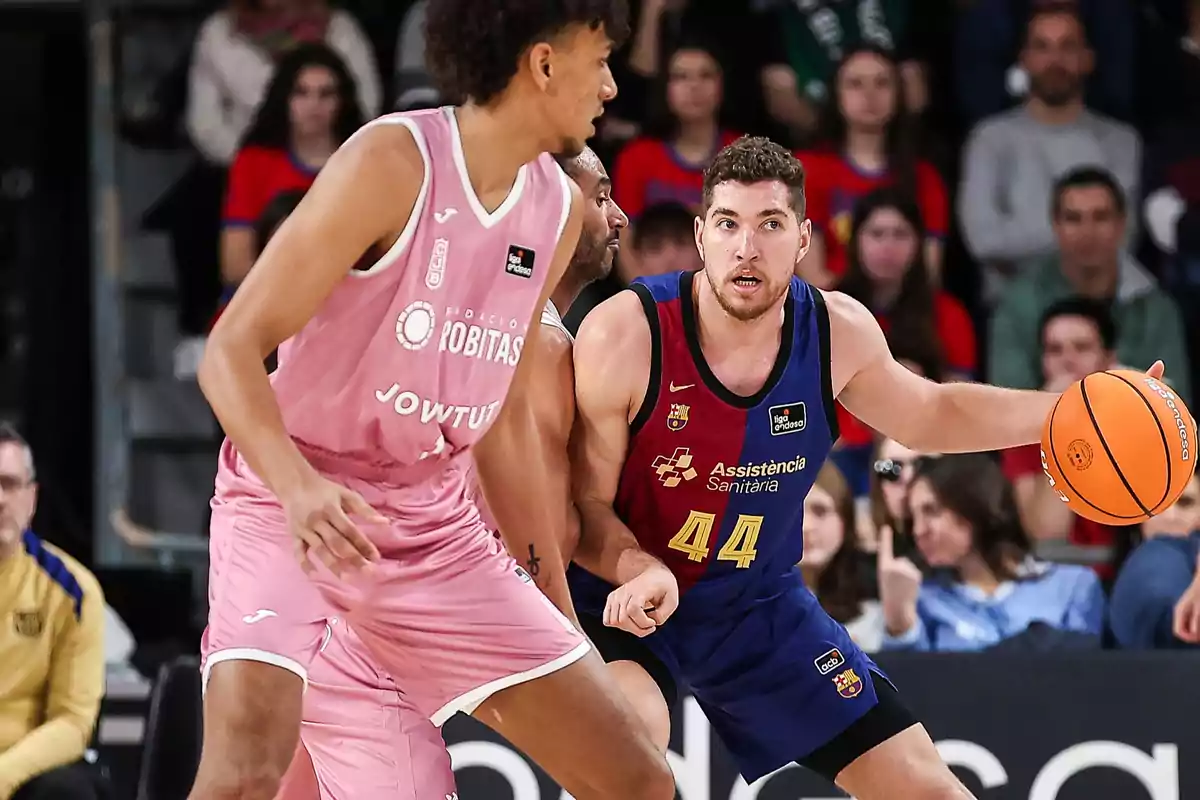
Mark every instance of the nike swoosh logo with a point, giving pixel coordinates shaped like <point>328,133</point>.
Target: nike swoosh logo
<point>442,216</point>
<point>675,388</point>
<point>258,616</point>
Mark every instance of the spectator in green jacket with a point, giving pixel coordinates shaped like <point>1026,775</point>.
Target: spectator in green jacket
<point>1089,216</point>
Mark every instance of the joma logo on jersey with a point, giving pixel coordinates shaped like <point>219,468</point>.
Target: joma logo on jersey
<point>489,337</point>
<point>674,469</point>
<point>677,417</point>
<point>790,418</point>
<point>406,404</point>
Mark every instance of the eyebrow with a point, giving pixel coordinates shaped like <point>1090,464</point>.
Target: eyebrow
<point>721,211</point>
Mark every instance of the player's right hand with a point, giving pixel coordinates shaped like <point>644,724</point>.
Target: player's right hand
<point>899,584</point>
<point>644,603</point>
<point>318,514</point>
<point>1186,621</point>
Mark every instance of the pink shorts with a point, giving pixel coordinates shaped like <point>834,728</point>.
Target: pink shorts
<point>360,738</point>
<point>446,613</point>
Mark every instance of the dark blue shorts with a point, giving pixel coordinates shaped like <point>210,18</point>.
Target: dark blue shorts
<point>780,681</point>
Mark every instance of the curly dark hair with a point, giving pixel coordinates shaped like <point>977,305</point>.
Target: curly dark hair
<point>272,124</point>
<point>472,46</point>
<point>753,159</point>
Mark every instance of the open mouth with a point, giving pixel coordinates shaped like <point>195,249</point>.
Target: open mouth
<point>746,281</point>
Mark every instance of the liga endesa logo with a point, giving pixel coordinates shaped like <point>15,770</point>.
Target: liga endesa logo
<point>1156,771</point>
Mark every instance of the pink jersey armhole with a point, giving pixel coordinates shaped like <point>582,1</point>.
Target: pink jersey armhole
<point>565,181</point>
<point>410,228</point>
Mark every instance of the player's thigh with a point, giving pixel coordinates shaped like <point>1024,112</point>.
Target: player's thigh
<point>252,712</point>
<point>646,698</point>
<point>362,737</point>
<point>576,724</point>
<point>909,760</point>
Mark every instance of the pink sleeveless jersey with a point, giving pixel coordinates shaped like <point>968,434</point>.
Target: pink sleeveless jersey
<point>406,364</point>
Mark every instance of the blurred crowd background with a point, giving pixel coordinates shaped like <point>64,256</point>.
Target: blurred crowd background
<point>1012,186</point>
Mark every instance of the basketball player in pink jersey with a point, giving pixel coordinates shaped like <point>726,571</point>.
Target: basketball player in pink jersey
<point>347,695</point>
<point>357,447</point>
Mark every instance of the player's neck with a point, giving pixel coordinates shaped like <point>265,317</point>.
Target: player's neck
<point>1054,115</point>
<point>867,150</point>
<point>496,141</point>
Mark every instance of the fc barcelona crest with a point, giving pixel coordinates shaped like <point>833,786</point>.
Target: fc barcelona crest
<point>28,623</point>
<point>848,684</point>
<point>677,417</point>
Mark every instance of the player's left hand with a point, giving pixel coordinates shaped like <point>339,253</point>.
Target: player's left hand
<point>644,603</point>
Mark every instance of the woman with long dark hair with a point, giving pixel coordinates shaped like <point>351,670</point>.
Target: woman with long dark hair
<point>667,164</point>
<point>870,141</point>
<point>832,564</point>
<point>309,110</point>
<point>885,271</point>
<point>983,585</point>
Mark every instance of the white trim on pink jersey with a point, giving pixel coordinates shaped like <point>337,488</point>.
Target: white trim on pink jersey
<point>486,219</point>
<point>410,228</point>
<point>565,181</point>
<point>467,703</point>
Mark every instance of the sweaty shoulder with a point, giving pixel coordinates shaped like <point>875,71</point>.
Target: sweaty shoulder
<point>613,348</point>
<point>855,338</point>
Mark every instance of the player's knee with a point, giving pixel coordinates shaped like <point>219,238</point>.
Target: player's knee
<point>649,779</point>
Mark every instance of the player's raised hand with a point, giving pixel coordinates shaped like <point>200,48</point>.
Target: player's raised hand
<point>1186,622</point>
<point>899,585</point>
<point>319,517</point>
<point>644,603</point>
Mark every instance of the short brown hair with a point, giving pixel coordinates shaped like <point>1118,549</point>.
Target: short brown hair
<point>753,159</point>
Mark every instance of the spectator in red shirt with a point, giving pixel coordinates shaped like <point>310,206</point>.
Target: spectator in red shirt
<point>871,143</point>
<point>668,163</point>
<point>1078,338</point>
<point>309,110</point>
<point>886,272</point>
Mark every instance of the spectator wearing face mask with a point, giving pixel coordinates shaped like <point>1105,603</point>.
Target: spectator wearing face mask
<point>832,566</point>
<point>1156,597</point>
<point>983,585</point>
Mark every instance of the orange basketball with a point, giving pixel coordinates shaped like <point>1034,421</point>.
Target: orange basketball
<point>1119,447</point>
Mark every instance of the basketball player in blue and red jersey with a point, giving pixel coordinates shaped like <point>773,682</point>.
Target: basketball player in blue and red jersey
<point>704,410</point>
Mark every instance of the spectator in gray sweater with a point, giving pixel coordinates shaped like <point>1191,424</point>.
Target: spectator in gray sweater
<point>1012,160</point>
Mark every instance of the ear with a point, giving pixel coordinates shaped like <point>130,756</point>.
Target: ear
<point>698,229</point>
<point>805,241</point>
<point>539,60</point>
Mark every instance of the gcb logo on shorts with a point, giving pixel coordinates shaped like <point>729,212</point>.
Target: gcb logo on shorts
<point>829,661</point>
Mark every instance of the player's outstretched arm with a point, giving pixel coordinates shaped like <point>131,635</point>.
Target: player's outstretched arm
<point>521,462</point>
<point>926,416</point>
<point>363,197</point>
<point>612,362</point>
